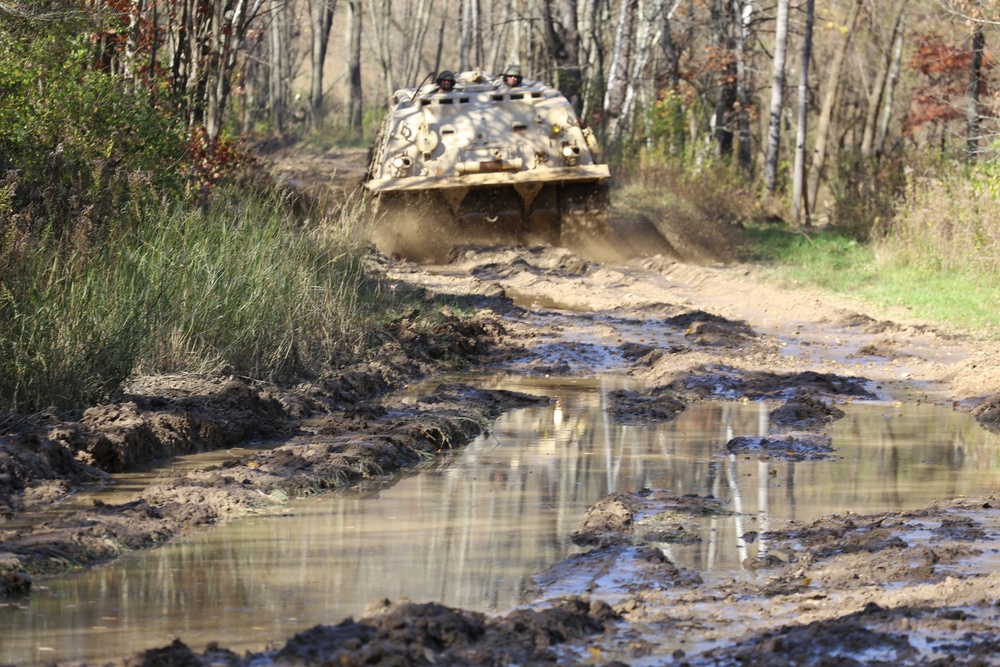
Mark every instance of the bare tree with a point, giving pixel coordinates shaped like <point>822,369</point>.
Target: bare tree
<point>381,43</point>
<point>722,41</point>
<point>354,108</point>
<point>777,95</point>
<point>418,24</point>
<point>882,81</point>
<point>829,99</point>
<point>672,57</point>
<point>975,87</point>
<point>322,22</point>
<point>800,209</point>
<point>614,97</point>
<point>890,91</point>
<point>743,20</point>
<point>563,39</point>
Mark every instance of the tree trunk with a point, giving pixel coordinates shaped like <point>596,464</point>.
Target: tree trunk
<point>673,65</point>
<point>829,99</point>
<point>354,108</point>
<point>614,98</point>
<point>419,26</point>
<point>721,39</point>
<point>743,19</point>
<point>643,48</point>
<point>800,208</point>
<point>129,64</point>
<point>879,91</point>
<point>278,59</point>
<point>322,22</point>
<point>465,18</point>
<point>975,86</point>
<point>562,36</point>
<point>777,97</point>
<point>382,40</point>
<point>897,62</point>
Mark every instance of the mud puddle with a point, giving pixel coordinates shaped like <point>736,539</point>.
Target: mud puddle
<point>471,529</point>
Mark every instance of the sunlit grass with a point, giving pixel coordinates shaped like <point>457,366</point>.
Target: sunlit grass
<point>233,287</point>
<point>961,299</point>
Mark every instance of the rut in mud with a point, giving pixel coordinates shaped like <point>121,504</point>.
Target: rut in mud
<point>904,588</point>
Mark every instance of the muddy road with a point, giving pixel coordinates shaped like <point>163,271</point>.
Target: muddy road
<point>910,587</point>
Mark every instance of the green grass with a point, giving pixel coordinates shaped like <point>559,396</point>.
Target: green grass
<point>231,287</point>
<point>959,299</point>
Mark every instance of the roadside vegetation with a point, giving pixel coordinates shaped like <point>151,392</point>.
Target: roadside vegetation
<point>925,240</point>
<point>130,244</point>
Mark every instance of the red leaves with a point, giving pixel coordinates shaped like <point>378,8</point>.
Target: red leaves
<point>211,160</point>
<point>945,70</point>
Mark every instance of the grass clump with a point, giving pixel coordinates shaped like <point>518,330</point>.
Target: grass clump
<point>227,287</point>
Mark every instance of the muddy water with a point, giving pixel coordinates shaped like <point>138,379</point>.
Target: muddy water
<point>469,530</point>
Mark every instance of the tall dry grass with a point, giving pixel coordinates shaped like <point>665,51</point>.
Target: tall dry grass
<point>950,221</point>
<point>230,287</point>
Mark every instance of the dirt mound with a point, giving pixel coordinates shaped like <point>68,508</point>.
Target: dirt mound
<point>787,446</point>
<point>805,412</point>
<point>406,633</point>
<point>987,413</point>
<point>631,406</point>
<point>728,382</point>
<point>643,517</point>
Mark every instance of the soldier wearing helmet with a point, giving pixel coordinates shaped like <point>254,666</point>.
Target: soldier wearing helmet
<point>446,81</point>
<point>512,76</point>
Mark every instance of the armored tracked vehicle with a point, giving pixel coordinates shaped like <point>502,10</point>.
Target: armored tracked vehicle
<point>484,163</point>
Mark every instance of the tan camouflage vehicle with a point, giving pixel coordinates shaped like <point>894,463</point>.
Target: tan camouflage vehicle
<point>484,162</point>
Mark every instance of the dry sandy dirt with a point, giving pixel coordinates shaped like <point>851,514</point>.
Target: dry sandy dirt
<point>888,589</point>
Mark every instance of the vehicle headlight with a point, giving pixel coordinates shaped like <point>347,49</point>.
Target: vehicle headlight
<point>571,154</point>
<point>401,165</point>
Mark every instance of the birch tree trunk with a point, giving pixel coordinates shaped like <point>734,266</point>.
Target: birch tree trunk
<point>466,30</point>
<point>777,98</point>
<point>800,209</point>
<point>419,25</point>
<point>381,25</point>
<point>614,98</point>
<point>742,20</point>
<point>278,59</point>
<point>643,48</point>
<point>673,67</point>
<point>591,58</point>
<point>136,10</point>
<point>829,99</point>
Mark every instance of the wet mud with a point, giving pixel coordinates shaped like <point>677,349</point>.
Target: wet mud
<point>906,588</point>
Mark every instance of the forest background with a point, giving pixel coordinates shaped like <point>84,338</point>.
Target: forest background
<point>137,235</point>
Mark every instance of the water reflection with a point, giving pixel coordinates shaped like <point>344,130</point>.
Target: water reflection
<point>470,530</point>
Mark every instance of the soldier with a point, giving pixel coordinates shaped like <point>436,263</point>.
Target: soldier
<point>512,76</point>
<point>446,81</point>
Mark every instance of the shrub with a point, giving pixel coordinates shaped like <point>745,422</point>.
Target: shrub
<point>866,192</point>
<point>82,149</point>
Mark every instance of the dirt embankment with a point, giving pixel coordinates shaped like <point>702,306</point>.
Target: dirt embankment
<point>44,460</point>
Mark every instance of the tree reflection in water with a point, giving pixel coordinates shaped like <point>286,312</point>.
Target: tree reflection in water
<point>469,529</point>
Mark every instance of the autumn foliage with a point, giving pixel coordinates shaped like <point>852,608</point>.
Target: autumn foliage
<point>944,81</point>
